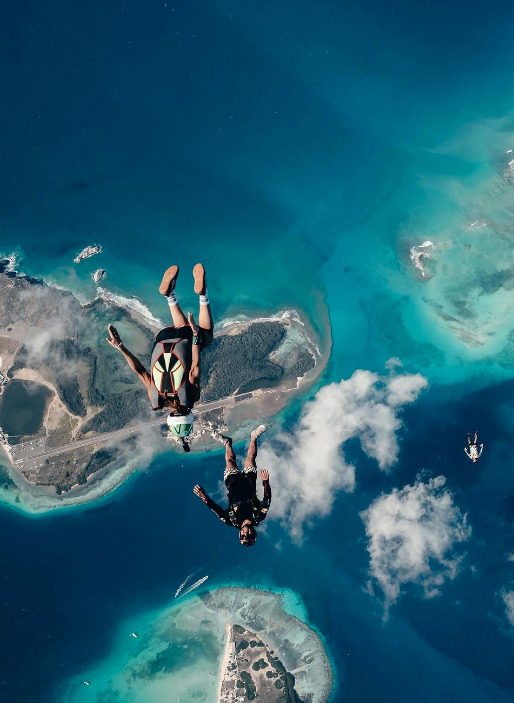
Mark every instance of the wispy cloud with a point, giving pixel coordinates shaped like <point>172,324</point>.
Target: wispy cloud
<point>47,317</point>
<point>508,599</point>
<point>412,533</point>
<point>308,465</point>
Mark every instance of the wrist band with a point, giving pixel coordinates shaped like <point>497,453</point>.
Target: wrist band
<point>195,340</point>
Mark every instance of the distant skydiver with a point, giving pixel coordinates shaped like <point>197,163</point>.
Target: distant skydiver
<point>244,510</point>
<point>174,378</point>
<point>473,452</point>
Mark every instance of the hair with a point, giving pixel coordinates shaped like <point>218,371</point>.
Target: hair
<point>171,402</point>
<point>252,536</point>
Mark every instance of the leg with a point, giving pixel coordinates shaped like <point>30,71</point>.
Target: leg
<point>205,317</point>
<point>231,469</point>
<point>230,455</point>
<point>251,455</point>
<point>469,439</point>
<point>476,438</point>
<point>252,449</point>
<point>167,288</point>
<point>250,467</point>
<point>204,314</point>
<point>178,317</point>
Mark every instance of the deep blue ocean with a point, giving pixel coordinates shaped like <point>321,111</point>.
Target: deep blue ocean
<point>299,150</point>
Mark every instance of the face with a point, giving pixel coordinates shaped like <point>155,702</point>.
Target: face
<point>246,532</point>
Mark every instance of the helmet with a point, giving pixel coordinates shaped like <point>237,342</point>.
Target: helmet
<point>180,425</point>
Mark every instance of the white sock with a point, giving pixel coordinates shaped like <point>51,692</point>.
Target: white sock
<point>204,299</point>
<point>172,299</point>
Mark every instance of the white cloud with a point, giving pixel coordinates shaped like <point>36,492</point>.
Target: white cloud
<point>508,599</point>
<point>308,465</point>
<point>412,533</point>
<point>47,316</point>
<point>404,389</point>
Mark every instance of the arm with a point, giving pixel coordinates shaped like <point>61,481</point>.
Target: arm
<point>467,452</point>
<point>194,372</point>
<point>133,362</point>
<point>266,501</point>
<point>481,450</point>
<point>217,509</point>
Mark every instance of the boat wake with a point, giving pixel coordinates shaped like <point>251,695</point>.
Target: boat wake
<point>192,588</point>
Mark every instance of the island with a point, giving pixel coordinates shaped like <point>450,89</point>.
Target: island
<point>417,254</point>
<point>87,253</point>
<point>250,670</point>
<point>75,422</point>
<point>228,645</point>
<point>269,654</point>
<point>98,275</point>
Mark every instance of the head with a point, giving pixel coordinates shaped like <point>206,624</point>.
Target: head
<point>475,459</point>
<point>247,534</point>
<point>180,425</point>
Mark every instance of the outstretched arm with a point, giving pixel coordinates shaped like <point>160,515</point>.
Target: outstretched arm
<point>133,362</point>
<point>467,452</point>
<point>217,509</point>
<point>266,501</point>
<point>481,450</point>
<point>194,373</point>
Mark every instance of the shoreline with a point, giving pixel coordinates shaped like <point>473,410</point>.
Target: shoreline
<point>224,659</point>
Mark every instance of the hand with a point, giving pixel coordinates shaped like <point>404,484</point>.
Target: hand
<point>264,474</point>
<point>114,338</point>
<point>192,323</point>
<point>199,491</point>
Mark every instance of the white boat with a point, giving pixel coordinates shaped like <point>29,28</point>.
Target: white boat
<point>133,634</point>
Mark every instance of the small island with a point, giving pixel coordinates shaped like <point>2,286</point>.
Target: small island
<point>98,275</point>
<point>87,253</point>
<point>269,654</point>
<point>75,422</point>
<point>228,645</point>
<point>250,671</point>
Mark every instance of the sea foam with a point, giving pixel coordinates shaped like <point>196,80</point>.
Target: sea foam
<point>133,304</point>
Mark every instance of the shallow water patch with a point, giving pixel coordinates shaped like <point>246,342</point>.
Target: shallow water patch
<point>22,408</point>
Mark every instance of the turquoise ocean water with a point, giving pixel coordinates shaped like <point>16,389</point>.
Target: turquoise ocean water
<point>300,151</point>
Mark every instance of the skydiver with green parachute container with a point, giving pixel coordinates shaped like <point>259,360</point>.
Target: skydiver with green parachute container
<point>174,378</point>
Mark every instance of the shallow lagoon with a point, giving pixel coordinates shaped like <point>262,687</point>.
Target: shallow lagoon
<point>22,408</point>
